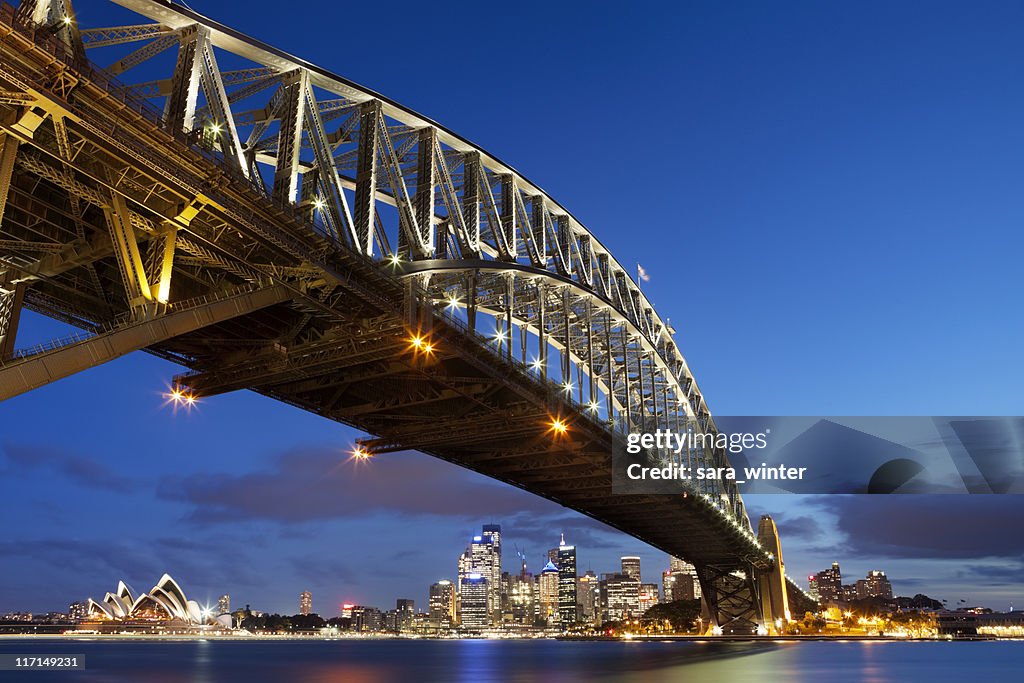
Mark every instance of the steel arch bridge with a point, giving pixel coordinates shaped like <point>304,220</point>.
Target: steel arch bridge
<point>271,226</point>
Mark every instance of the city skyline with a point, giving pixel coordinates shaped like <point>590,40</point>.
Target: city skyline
<point>772,147</point>
<point>876,583</point>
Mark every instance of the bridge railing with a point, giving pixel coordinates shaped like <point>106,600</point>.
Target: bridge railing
<point>127,320</point>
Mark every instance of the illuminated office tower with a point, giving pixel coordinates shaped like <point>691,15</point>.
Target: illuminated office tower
<point>687,588</point>
<point>567,613</point>
<point>631,566</point>
<point>224,604</point>
<point>620,597</point>
<point>878,585</point>
<point>405,612</point>
<point>473,605</point>
<point>522,599</point>
<point>305,602</point>
<point>829,583</point>
<point>588,596</point>
<point>442,603</point>
<point>483,557</point>
<point>548,585</point>
<point>366,619</point>
<point>648,596</point>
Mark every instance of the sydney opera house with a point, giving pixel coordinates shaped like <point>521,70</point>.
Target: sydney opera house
<point>164,605</point>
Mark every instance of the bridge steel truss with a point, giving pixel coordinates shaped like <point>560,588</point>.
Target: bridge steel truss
<point>337,225</point>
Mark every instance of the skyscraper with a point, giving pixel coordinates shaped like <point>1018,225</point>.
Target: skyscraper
<point>548,585</point>
<point>224,604</point>
<point>620,597</point>
<point>687,588</point>
<point>483,557</point>
<point>631,566</point>
<point>473,606</point>
<point>305,602</point>
<point>588,596</point>
<point>405,610</point>
<point>829,583</point>
<point>492,532</point>
<point>567,614</point>
<point>442,603</point>
<point>522,599</point>
<point>878,585</point>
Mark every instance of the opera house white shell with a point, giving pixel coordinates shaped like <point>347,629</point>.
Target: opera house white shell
<point>165,602</point>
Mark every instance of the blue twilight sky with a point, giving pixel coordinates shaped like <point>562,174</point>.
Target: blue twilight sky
<point>827,197</point>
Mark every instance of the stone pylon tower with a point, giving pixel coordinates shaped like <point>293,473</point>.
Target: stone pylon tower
<point>774,600</point>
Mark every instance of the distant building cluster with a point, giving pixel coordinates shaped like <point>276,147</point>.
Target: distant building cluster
<point>484,595</point>
<point>827,587</point>
<point>487,596</point>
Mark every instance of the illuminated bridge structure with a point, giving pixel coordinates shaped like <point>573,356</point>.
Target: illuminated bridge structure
<point>173,186</point>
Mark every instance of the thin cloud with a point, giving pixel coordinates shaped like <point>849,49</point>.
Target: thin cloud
<point>309,485</point>
<point>88,472</point>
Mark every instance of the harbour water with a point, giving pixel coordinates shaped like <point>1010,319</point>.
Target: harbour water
<point>522,661</point>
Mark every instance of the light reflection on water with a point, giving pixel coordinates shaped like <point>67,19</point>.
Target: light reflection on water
<point>479,661</point>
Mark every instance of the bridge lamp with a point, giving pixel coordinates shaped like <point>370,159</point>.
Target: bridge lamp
<point>395,259</point>
<point>558,426</point>
<point>360,453</point>
<point>568,387</point>
<point>420,343</point>
<point>319,204</point>
<point>593,406</point>
<point>537,363</point>
<point>453,301</point>
<point>215,128</point>
<point>67,21</point>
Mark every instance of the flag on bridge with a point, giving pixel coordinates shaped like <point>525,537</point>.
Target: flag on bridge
<point>642,273</point>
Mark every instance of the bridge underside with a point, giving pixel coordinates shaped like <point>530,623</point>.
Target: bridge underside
<point>124,226</point>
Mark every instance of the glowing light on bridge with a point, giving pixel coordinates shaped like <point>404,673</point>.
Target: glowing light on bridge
<point>453,301</point>
<point>395,260</point>
<point>180,397</point>
<point>319,204</point>
<point>536,363</point>
<point>593,406</point>
<point>421,344</point>
<point>361,454</point>
<point>568,387</point>
<point>559,426</point>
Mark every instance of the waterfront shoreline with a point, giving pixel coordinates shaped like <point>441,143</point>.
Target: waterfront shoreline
<point>630,639</point>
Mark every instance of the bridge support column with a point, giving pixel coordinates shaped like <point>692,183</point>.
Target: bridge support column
<point>126,248</point>
<point>732,598</point>
<point>10,312</point>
